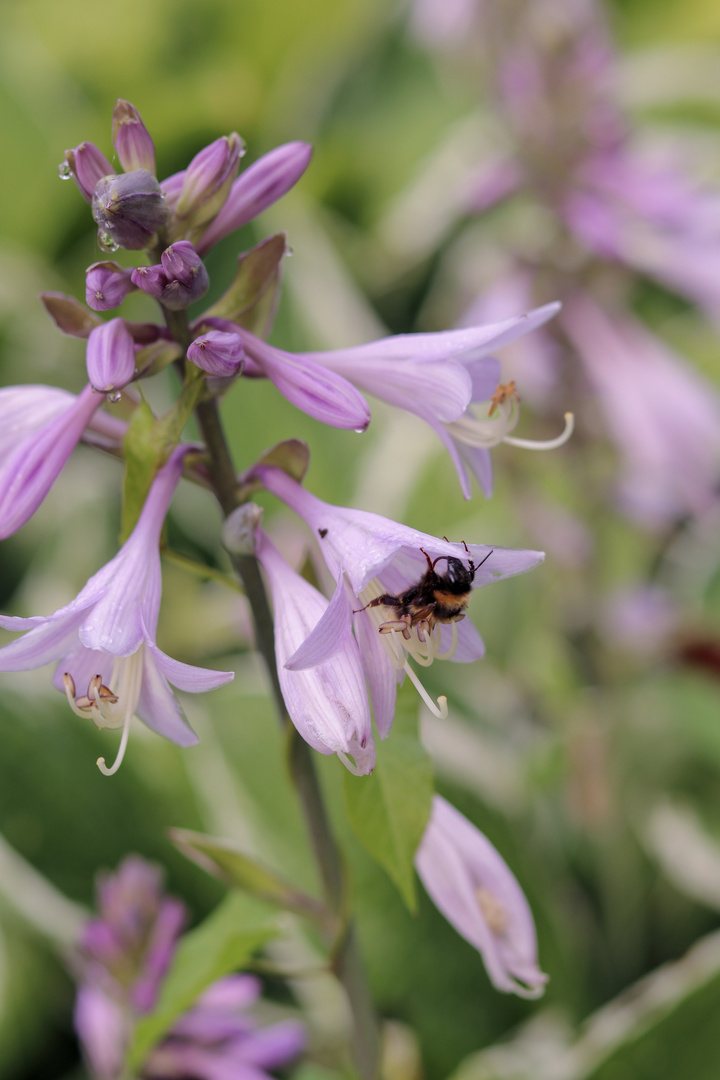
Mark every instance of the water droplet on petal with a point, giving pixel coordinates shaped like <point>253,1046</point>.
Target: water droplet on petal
<point>64,170</point>
<point>115,396</point>
<point>289,251</point>
<point>106,242</point>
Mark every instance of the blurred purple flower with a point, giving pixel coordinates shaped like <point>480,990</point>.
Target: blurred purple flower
<point>380,556</point>
<point>475,890</point>
<point>105,638</point>
<point>123,957</point>
<point>318,664</point>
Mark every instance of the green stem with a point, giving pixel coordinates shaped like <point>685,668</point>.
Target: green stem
<point>347,961</point>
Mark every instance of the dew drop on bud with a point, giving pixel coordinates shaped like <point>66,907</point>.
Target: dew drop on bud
<point>64,170</point>
<point>106,242</point>
<point>289,251</point>
<point>114,397</point>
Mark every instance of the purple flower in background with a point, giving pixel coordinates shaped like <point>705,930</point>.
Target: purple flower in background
<point>40,427</point>
<point>475,890</point>
<point>123,957</point>
<point>318,664</point>
<point>104,639</point>
<point>380,556</point>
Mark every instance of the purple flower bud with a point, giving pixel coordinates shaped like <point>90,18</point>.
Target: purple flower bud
<point>180,279</point>
<point>129,209</point>
<point>131,138</point>
<point>87,165</point>
<point>259,187</point>
<point>107,285</point>
<point>217,353</point>
<point>110,356</point>
<point>207,180</point>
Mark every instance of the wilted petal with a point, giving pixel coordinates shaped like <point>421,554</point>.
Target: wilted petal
<point>476,891</point>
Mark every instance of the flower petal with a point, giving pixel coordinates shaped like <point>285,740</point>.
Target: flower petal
<point>327,637</point>
<point>158,708</point>
<point>193,680</point>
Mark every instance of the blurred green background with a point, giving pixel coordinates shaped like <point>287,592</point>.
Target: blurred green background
<point>568,769</point>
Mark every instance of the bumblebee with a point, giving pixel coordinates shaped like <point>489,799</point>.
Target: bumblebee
<point>436,598</point>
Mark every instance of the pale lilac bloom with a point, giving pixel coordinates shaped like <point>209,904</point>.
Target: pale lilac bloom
<point>218,353</point>
<point>104,639</point>
<point>473,887</point>
<point>664,418</point>
<point>110,357</point>
<point>217,1040</point>
<point>318,663</point>
<point>106,285</point>
<point>380,556</point>
<point>40,427</point>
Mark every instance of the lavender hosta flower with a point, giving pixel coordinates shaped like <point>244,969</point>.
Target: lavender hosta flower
<point>107,285</point>
<point>380,557</point>
<point>109,664</point>
<point>475,890</point>
<point>87,166</point>
<point>257,188</point>
<point>131,139</point>
<point>217,1040</point>
<point>663,416</point>
<point>110,358</point>
<point>40,427</point>
<point>318,664</point>
<point>206,183</point>
<point>129,209</point>
<point>179,279</point>
<point>218,353</point>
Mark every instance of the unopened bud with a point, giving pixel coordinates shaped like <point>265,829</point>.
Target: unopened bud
<point>107,285</point>
<point>207,181</point>
<point>178,280</point>
<point>240,528</point>
<point>217,353</point>
<point>131,138</point>
<point>130,208</point>
<point>87,165</point>
<point>110,356</point>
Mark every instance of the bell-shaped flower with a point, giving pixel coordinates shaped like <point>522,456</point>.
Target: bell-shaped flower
<point>258,187</point>
<point>40,427</point>
<point>383,558</point>
<point>473,887</point>
<point>107,284</point>
<point>110,358</point>
<point>218,353</point>
<point>131,139</point>
<point>109,664</point>
<point>178,280</point>
<point>318,663</point>
<point>664,418</point>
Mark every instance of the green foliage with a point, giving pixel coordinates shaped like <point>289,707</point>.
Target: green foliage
<point>389,809</point>
<point>223,943</point>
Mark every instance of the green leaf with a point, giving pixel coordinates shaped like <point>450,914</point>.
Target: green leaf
<point>224,942</point>
<point>250,299</point>
<point>226,860</point>
<point>389,810</point>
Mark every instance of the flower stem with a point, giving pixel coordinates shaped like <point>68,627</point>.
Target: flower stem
<point>347,961</point>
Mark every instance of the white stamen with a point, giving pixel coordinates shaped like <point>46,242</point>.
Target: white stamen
<point>111,705</point>
<point>548,444</point>
<point>440,710</point>
<point>351,768</point>
<point>121,750</point>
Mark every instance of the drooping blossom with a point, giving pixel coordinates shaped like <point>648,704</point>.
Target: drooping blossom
<point>40,426</point>
<point>123,957</point>
<point>318,663</point>
<point>380,556</point>
<point>109,664</point>
<point>473,887</point>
